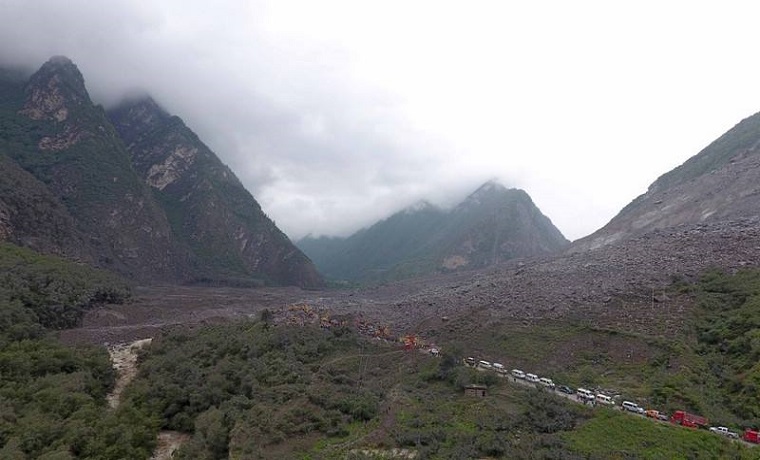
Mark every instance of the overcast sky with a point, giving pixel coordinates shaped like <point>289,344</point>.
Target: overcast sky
<point>337,113</point>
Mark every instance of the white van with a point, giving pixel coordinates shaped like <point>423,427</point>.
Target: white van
<point>499,367</point>
<point>533,378</point>
<point>604,399</point>
<point>518,374</point>
<point>546,382</point>
<point>585,394</point>
<point>484,364</point>
<point>632,407</point>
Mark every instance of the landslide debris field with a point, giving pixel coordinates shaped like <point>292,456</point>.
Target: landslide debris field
<point>629,287</point>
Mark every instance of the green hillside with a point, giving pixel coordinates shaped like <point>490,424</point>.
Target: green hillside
<point>256,390</point>
<point>378,251</point>
<point>52,397</point>
<point>492,225</point>
<point>51,129</point>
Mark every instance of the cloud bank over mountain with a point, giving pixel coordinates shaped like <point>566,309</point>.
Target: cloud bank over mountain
<point>335,114</point>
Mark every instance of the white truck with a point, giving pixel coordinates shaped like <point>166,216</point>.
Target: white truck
<point>724,431</point>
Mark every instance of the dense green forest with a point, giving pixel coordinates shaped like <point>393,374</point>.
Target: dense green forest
<point>249,390</point>
<point>52,397</point>
<point>253,390</point>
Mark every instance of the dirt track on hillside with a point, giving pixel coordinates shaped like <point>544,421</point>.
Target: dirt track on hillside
<point>124,360</point>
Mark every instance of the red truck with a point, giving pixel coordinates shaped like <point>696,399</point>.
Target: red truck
<point>751,436</point>
<point>686,419</point>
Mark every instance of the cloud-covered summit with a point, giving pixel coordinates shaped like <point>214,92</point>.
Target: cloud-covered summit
<point>336,113</point>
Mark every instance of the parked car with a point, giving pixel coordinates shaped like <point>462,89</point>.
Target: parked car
<point>518,374</point>
<point>499,367</point>
<point>546,382</point>
<point>654,413</point>
<point>585,394</point>
<point>533,378</point>
<point>565,389</point>
<point>484,364</point>
<point>724,431</point>
<point>632,407</point>
<point>470,361</point>
<point>604,399</point>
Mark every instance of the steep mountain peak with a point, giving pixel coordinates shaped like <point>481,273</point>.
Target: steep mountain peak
<point>142,107</point>
<point>161,208</point>
<point>490,193</point>
<point>492,225</point>
<point>490,187</point>
<point>55,90</point>
<point>59,60</point>
<point>422,205</point>
<point>209,210</point>
<point>142,121</point>
<point>137,115</point>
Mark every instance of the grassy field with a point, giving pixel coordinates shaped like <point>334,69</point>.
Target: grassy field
<point>611,434</point>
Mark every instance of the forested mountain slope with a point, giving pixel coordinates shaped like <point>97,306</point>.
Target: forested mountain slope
<point>163,210</point>
<point>492,225</point>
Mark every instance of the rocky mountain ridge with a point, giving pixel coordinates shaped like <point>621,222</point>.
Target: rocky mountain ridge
<point>54,131</point>
<point>107,204</point>
<point>719,183</point>
<point>209,210</point>
<point>492,225</point>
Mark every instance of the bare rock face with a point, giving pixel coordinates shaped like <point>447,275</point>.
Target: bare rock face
<point>56,89</point>
<point>179,161</point>
<point>55,93</point>
<point>212,213</point>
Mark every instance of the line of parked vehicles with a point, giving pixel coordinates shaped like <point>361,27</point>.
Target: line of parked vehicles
<point>586,396</point>
<point>582,394</point>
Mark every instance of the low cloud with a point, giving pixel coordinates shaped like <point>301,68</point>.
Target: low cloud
<point>335,114</point>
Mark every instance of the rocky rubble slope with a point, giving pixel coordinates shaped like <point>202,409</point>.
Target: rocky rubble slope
<point>720,183</point>
<point>626,287</point>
